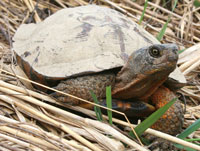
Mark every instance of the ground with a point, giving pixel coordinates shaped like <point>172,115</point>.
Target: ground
<point>27,120</point>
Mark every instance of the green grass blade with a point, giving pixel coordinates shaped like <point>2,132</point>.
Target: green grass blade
<point>162,32</point>
<point>109,103</point>
<point>190,129</point>
<point>152,118</point>
<point>180,51</point>
<point>175,3</point>
<point>187,132</point>
<point>192,139</point>
<point>197,3</point>
<point>183,147</point>
<point>96,108</point>
<point>143,12</point>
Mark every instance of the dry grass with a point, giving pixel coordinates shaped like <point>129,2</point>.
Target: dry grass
<point>29,123</point>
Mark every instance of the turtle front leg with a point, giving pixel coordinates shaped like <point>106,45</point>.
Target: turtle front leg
<point>171,122</point>
<point>131,109</point>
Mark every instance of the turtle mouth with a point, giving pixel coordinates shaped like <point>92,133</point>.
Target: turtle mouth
<point>166,67</point>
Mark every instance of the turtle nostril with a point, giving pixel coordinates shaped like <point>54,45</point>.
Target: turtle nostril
<point>175,50</point>
<point>173,58</point>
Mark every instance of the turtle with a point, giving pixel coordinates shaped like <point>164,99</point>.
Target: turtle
<point>86,48</point>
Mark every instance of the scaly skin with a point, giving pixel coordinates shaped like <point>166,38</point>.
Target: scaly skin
<point>81,86</point>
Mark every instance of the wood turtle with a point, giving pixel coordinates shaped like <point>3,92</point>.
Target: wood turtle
<point>90,47</point>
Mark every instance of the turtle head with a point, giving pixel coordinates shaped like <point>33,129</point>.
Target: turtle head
<point>145,70</point>
<point>155,58</point>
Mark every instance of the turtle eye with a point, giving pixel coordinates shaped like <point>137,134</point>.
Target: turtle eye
<point>154,52</point>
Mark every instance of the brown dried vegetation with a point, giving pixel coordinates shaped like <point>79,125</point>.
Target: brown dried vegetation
<point>29,123</point>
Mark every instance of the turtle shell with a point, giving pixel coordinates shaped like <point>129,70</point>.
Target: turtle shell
<point>80,40</point>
